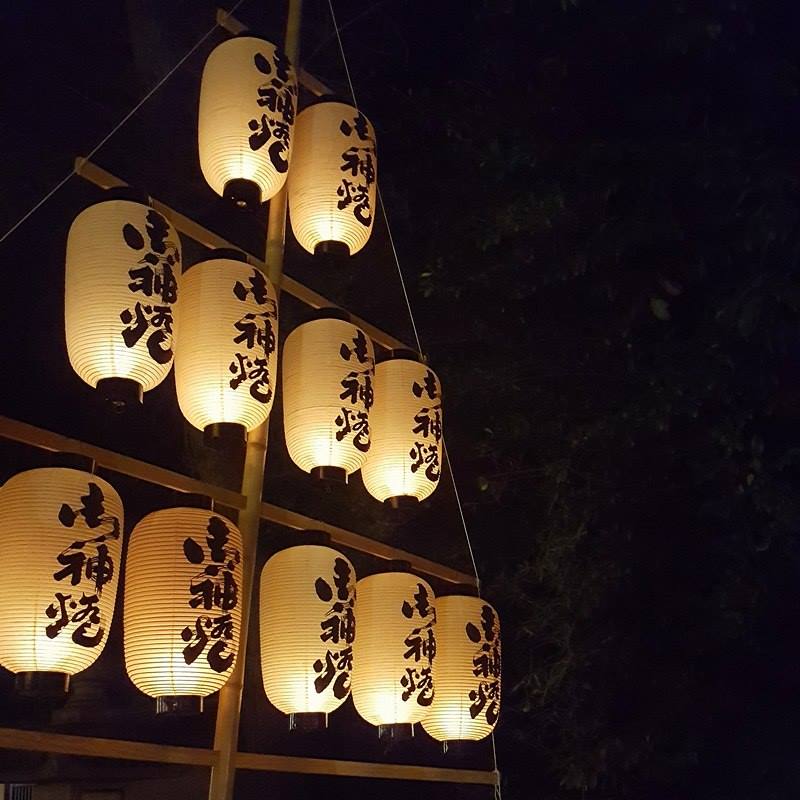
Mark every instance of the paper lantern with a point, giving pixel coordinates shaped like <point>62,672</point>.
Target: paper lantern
<point>248,98</point>
<point>332,185</point>
<point>393,655</point>
<point>307,629</point>
<point>404,461</point>
<point>328,366</point>
<point>61,532</point>
<point>182,617</point>
<point>122,274</point>
<point>226,356</point>
<point>466,671</point>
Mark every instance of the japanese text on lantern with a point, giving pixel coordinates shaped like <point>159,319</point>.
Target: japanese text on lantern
<point>278,95</point>
<point>213,589</point>
<point>486,666</point>
<point>256,336</point>
<point>338,628</point>
<point>421,644</point>
<point>358,164</point>
<point>425,453</point>
<point>87,558</point>
<point>356,389</point>
<point>154,277</point>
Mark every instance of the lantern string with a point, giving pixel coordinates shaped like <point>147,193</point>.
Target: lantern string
<point>116,128</point>
<point>497,785</point>
<point>378,188</point>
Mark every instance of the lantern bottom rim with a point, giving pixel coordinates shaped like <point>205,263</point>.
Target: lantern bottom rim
<point>42,684</point>
<point>308,721</point>
<point>179,704</point>
<point>331,252</point>
<point>243,193</point>
<point>396,732</point>
<point>337,474</point>
<point>224,435</point>
<point>120,393</point>
<point>402,501</point>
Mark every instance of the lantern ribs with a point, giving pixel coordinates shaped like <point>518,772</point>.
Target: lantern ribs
<point>25,433</point>
<point>106,180</point>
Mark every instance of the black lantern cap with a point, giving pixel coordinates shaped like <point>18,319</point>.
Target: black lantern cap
<point>42,684</point>
<point>227,252</point>
<point>308,722</point>
<point>399,565</point>
<point>318,537</point>
<point>397,732</point>
<point>72,461</point>
<point>463,590</point>
<point>402,502</point>
<point>194,500</point>
<point>331,252</point>
<point>404,353</point>
<point>332,474</point>
<point>225,436</point>
<point>244,194</point>
<point>121,394</point>
<point>331,312</point>
<point>180,705</point>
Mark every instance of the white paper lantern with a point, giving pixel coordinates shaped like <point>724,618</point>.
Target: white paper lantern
<point>328,367</point>
<point>333,183</point>
<point>307,630</point>
<point>61,531</point>
<point>182,618</point>
<point>248,100</point>
<point>466,671</point>
<point>393,656</point>
<point>404,461</point>
<point>122,276</point>
<point>226,353</point>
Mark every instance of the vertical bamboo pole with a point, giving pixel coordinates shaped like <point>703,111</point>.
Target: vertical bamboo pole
<point>226,732</point>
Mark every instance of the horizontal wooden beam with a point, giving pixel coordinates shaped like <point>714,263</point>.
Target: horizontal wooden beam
<point>106,180</point>
<point>93,747</point>
<point>25,433</point>
<point>314,85</point>
<point>46,440</point>
<point>362,769</point>
<point>345,538</point>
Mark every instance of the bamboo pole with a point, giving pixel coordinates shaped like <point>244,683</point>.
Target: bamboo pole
<point>226,731</point>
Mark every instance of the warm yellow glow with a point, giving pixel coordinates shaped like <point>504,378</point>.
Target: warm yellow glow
<point>122,269</point>
<point>226,354</point>
<point>248,100</point>
<point>57,525</point>
<point>333,181</point>
<point>394,648</point>
<point>307,628</point>
<point>406,427</point>
<point>176,557</point>
<point>466,705</point>
<point>328,366</point>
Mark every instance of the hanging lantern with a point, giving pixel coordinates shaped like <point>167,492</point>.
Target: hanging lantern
<point>122,273</point>
<point>404,461</point>
<point>328,366</point>
<point>62,532</point>
<point>182,612</point>
<point>307,631</point>
<point>333,185</point>
<point>226,357</point>
<point>248,98</point>
<point>466,671</point>
<point>394,651</point>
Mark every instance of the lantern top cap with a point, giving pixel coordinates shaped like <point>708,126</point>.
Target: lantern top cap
<point>317,537</point>
<point>123,193</point>
<point>462,590</point>
<point>76,461</point>
<point>230,253</point>
<point>398,565</point>
<point>399,353</point>
<point>332,98</point>
<point>194,500</point>
<point>331,312</point>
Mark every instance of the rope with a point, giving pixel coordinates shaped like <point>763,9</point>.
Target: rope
<point>116,128</point>
<point>497,787</point>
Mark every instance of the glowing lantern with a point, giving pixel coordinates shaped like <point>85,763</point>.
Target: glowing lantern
<point>62,531</point>
<point>404,460</point>
<point>248,98</point>
<point>394,651</point>
<point>332,185</point>
<point>307,631</point>
<point>225,356</point>
<point>328,365</point>
<point>182,612</point>
<point>122,273</point>
<point>466,671</point>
